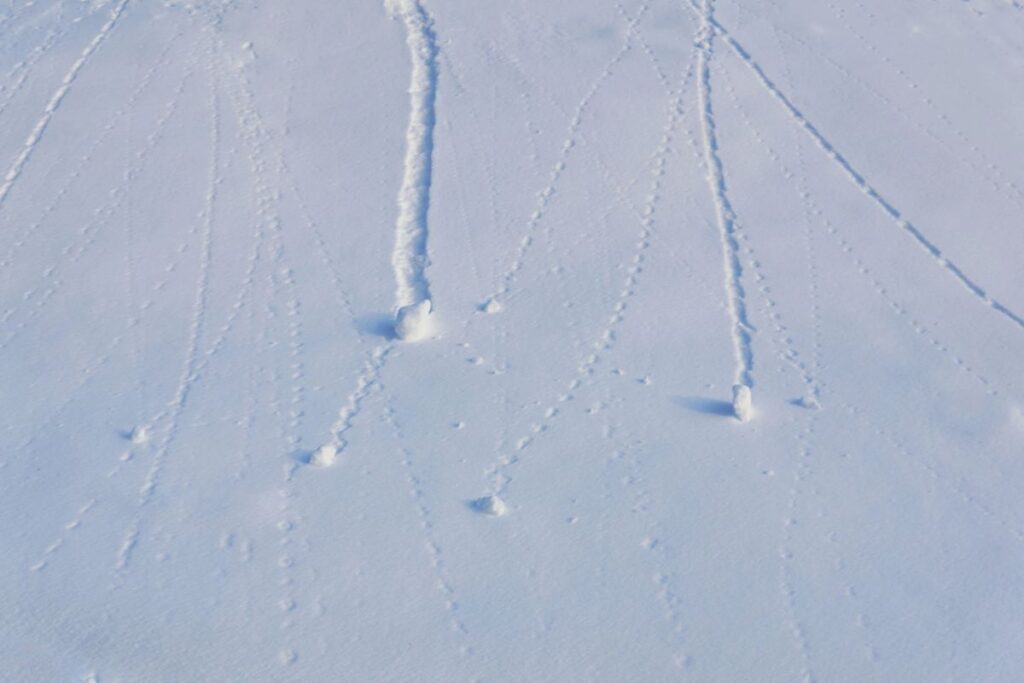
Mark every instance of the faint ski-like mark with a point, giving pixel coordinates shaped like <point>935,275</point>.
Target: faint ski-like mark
<point>436,554</point>
<point>54,103</point>
<point>38,297</point>
<point>544,196</point>
<point>862,268</point>
<point>497,473</point>
<point>858,179</point>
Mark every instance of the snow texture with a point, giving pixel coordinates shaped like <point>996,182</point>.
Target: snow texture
<point>414,322</point>
<point>139,435</point>
<point>742,407</point>
<point>224,220</point>
<point>490,505</point>
<point>324,456</point>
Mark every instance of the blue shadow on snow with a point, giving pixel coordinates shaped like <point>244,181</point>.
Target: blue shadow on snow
<point>377,325</point>
<point>707,406</point>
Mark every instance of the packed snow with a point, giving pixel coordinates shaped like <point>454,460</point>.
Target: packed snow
<point>436,340</point>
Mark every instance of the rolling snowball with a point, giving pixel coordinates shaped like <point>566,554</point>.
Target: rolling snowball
<point>413,322</point>
<point>741,402</point>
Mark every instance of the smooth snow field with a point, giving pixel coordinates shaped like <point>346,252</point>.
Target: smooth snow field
<point>512,341</point>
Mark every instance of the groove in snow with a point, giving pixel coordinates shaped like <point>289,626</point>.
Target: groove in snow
<point>51,107</point>
<point>856,177</point>
<point>724,212</point>
<point>409,258</point>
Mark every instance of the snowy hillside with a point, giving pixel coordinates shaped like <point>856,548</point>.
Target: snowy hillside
<point>396,340</point>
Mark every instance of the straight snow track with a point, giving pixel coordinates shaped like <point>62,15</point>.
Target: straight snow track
<point>410,258</point>
<point>724,213</point>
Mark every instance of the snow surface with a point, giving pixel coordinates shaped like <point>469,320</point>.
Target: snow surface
<point>214,209</point>
<point>414,322</point>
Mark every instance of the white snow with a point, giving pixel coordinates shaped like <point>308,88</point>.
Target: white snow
<point>741,402</point>
<point>491,306</point>
<point>414,322</point>
<point>139,435</point>
<point>324,456</point>
<point>493,506</point>
<point>808,402</point>
<point>221,460</point>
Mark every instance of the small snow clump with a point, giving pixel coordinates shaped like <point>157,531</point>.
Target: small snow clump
<point>491,306</point>
<point>413,322</point>
<point>324,456</point>
<point>491,505</point>
<point>741,402</point>
<point>139,435</point>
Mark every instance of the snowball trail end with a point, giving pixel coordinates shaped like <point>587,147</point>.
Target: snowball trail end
<point>492,506</point>
<point>325,456</point>
<point>414,322</point>
<point>741,402</point>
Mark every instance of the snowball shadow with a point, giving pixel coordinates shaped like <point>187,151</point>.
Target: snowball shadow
<point>376,324</point>
<point>706,406</point>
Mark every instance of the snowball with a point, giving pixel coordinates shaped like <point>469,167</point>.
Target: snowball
<point>808,402</point>
<point>491,505</point>
<point>412,322</point>
<point>491,306</point>
<point>139,435</point>
<point>741,402</point>
<point>324,456</point>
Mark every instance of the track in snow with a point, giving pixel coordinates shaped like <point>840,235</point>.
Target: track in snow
<point>410,258</point>
<point>55,101</point>
<point>854,176</point>
<point>724,213</point>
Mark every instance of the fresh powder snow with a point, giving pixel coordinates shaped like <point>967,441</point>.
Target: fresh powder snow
<point>449,340</point>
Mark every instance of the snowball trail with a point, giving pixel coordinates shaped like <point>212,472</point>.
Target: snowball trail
<point>855,177</point>
<point>409,258</point>
<point>413,322</point>
<point>724,213</point>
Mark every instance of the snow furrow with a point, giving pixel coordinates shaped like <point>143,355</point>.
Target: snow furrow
<point>410,257</point>
<point>859,180</point>
<point>851,255</point>
<point>724,213</point>
<point>782,337</point>
<point>55,101</point>
<point>983,166</point>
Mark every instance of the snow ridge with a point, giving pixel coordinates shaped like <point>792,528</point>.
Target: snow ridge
<point>725,214</point>
<point>409,258</point>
